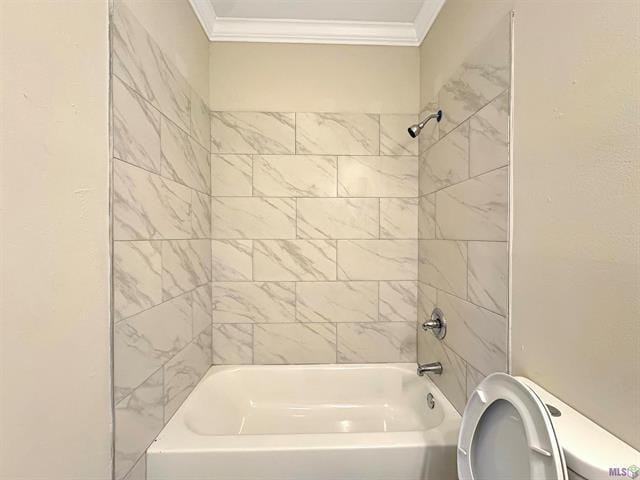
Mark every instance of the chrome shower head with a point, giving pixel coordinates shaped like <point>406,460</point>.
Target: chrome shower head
<point>414,130</point>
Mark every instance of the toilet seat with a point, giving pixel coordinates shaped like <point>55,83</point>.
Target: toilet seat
<point>507,434</point>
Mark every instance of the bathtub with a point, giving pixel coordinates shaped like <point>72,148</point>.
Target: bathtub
<point>309,422</point>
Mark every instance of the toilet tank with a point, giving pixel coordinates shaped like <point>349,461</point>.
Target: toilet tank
<point>591,452</point>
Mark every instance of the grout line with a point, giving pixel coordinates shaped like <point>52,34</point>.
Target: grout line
<point>157,109</point>
<point>493,170</point>
<point>303,239</point>
<point>188,292</point>
<point>198,239</point>
<point>322,154</point>
<point>319,197</point>
<point>251,156</point>
<point>157,174</point>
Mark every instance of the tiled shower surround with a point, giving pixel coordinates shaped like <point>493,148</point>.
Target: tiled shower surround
<point>161,232</point>
<point>463,220</point>
<point>314,237</point>
<point>299,237</point>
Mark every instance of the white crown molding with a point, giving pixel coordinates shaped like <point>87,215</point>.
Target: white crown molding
<point>206,15</point>
<point>230,29</point>
<point>425,18</point>
<point>305,31</point>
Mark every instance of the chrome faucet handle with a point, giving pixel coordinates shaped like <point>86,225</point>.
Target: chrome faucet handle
<point>431,324</point>
<point>434,367</point>
<point>437,324</point>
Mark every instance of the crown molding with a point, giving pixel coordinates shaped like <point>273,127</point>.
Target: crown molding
<point>228,29</point>
<point>206,15</point>
<point>425,18</point>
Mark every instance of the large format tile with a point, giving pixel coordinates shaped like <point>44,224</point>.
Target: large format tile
<point>476,334</point>
<point>294,343</point>
<point>488,275</point>
<point>398,301</point>
<point>338,218</point>
<point>184,371</point>
<point>476,209</point>
<point>399,218</point>
<point>147,206</point>
<point>378,176</point>
<point>231,260</point>
<point>136,128</point>
<point>140,63</point>
<point>257,217</point>
<point>427,301</point>
<point>453,380</point>
<point>252,132</point>
<point>377,259</point>
<point>201,309</point>
<point>231,175</point>
<point>186,264</point>
<point>337,302</point>
<point>253,302</point>
<point>489,136</point>
<point>376,342</point>
<point>481,78</point>
<point>394,135</point>
<point>200,214</point>
<point>200,120</point>
<point>138,420</point>
<point>139,471</point>
<point>430,133</point>
<point>427,217</point>
<point>145,342</point>
<point>232,344</point>
<point>443,264</point>
<point>337,133</point>
<point>294,260</point>
<point>447,162</point>
<point>474,378</point>
<point>183,159</point>
<point>294,175</point>
<point>137,281</point>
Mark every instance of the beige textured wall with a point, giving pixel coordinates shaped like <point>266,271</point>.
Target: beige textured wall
<point>313,78</point>
<point>176,29</point>
<point>576,192</point>
<point>55,407</point>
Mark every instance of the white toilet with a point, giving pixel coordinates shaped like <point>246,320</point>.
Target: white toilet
<point>512,429</point>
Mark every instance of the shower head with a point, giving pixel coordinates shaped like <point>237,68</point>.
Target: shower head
<point>414,130</point>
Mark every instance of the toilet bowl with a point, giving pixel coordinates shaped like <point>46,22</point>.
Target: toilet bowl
<point>512,429</point>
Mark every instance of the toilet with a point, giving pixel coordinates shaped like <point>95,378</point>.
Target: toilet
<point>512,429</point>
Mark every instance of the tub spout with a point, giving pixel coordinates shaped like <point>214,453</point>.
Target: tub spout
<point>434,367</point>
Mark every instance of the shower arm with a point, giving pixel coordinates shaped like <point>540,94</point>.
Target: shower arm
<point>437,116</point>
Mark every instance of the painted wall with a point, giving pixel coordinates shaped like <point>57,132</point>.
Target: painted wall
<point>177,31</point>
<point>576,228</point>
<point>161,231</point>
<point>464,218</point>
<point>55,405</point>
<point>313,78</point>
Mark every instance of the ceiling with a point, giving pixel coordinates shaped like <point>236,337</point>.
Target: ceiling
<point>361,22</point>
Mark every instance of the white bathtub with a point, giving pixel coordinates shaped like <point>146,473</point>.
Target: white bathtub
<point>309,422</point>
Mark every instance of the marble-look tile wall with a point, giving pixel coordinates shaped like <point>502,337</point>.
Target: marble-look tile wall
<point>314,237</point>
<point>161,213</point>
<point>463,219</point>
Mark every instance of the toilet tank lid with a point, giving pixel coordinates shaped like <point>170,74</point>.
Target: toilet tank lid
<point>589,449</point>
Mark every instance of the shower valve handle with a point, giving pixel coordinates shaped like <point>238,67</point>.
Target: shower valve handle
<point>436,324</point>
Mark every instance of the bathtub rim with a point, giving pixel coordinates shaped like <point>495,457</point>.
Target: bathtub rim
<point>176,437</point>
